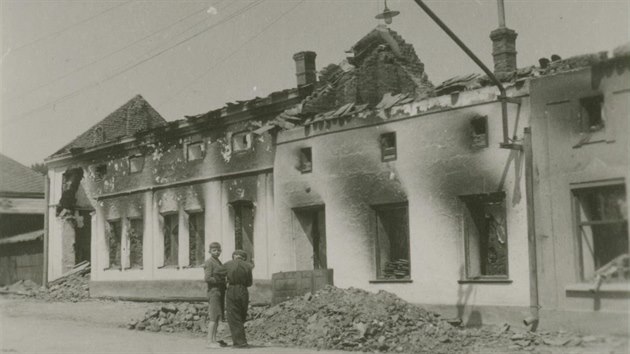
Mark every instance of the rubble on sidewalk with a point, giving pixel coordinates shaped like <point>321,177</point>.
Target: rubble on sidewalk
<point>357,320</point>
<point>72,286</point>
<point>21,287</point>
<point>183,317</point>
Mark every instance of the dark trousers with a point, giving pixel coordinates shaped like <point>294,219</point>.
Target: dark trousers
<point>236,301</point>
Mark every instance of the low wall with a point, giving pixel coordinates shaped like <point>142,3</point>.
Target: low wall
<point>169,290</point>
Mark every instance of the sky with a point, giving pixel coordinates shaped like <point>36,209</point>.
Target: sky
<point>66,65</point>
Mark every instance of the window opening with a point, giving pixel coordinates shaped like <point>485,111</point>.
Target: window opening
<point>486,235</point>
<point>241,141</point>
<point>135,234</point>
<point>392,242</point>
<point>592,113</point>
<point>244,227</point>
<point>114,232</point>
<point>306,160</point>
<point>602,225</point>
<point>388,146</point>
<point>100,171</point>
<point>479,132</point>
<point>196,242</point>
<point>171,240</point>
<point>194,151</point>
<point>136,163</point>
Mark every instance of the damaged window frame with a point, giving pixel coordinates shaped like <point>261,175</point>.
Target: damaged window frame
<point>175,216</point>
<point>237,209</point>
<point>378,225</point>
<point>100,170</point>
<point>471,203</point>
<point>246,145</point>
<point>479,132</point>
<point>306,160</point>
<point>605,270</point>
<point>118,222</point>
<point>195,144</point>
<point>131,221</point>
<point>388,147</point>
<point>199,247</point>
<point>130,163</point>
<point>591,113</point>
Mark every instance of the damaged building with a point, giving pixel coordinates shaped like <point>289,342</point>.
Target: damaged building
<point>451,196</point>
<point>22,210</point>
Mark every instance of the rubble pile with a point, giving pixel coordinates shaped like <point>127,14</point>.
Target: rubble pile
<point>21,287</point>
<point>183,317</point>
<point>356,320</point>
<point>396,269</point>
<point>173,317</point>
<point>74,287</point>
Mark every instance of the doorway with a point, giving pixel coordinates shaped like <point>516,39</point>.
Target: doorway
<point>310,231</point>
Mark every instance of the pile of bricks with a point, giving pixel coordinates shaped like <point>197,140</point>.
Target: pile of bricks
<point>74,288</point>
<point>173,318</point>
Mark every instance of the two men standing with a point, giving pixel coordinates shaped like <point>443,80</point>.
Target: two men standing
<point>227,284</point>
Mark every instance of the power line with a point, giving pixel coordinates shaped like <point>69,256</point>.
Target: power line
<point>69,27</point>
<point>98,83</point>
<point>232,53</point>
<point>63,76</point>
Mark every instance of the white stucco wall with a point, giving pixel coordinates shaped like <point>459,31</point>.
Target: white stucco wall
<point>434,166</point>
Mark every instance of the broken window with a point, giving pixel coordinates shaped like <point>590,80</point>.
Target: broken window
<point>602,226</point>
<point>388,146</point>
<point>195,151</point>
<point>196,241</point>
<point>479,127</point>
<point>244,227</point>
<point>392,242</point>
<point>136,163</point>
<point>486,235</point>
<point>306,160</point>
<point>114,232</point>
<point>592,120</point>
<point>171,240</point>
<point>135,235</point>
<point>241,141</point>
<point>100,171</point>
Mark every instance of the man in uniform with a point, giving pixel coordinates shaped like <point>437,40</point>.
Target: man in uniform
<point>239,278</point>
<point>214,273</point>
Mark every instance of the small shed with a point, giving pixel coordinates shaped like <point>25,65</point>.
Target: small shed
<point>22,210</point>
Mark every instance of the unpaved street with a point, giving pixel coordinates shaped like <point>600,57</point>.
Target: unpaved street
<point>33,326</point>
<point>93,327</point>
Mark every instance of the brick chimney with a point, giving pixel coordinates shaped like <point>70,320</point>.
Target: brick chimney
<point>504,49</point>
<point>305,69</point>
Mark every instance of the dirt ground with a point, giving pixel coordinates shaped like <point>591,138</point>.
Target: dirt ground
<point>34,326</point>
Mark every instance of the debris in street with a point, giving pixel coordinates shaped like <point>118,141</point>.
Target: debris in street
<point>21,287</point>
<point>357,320</point>
<point>72,286</point>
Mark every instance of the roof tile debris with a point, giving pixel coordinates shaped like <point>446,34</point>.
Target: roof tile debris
<point>16,178</point>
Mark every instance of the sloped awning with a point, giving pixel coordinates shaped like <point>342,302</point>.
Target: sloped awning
<point>29,236</point>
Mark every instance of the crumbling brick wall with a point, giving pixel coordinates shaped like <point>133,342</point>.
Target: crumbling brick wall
<point>383,63</point>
